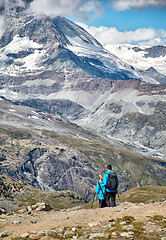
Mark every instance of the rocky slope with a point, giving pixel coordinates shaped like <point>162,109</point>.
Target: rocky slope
<point>16,194</point>
<point>130,112</point>
<point>141,220</point>
<point>127,220</point>
<point>133,113</point>
<point>51,153</point>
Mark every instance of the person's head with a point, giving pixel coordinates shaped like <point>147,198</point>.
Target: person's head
<point>100,177</point>
<point>109,167</point>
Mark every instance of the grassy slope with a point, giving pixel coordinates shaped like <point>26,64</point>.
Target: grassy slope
<point>145,194</point>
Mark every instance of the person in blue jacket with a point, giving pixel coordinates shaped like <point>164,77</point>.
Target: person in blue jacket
<point>110,194</point>
<point>101,191</point>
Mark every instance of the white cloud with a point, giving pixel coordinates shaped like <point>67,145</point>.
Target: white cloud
<point>111,36</point>
<point>121,5</point>
<point>10,5</point>
<point>75,8</point>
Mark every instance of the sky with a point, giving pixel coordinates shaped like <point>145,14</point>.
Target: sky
<point>141,22</point>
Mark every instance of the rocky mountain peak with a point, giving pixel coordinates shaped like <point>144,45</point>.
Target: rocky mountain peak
<point>43,56</point>
<point>45,30</point>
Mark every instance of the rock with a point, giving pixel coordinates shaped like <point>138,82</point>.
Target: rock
<point>128,227</point>
<point>123,223</point>
<point>24,235</point>
<point>114,234</point>
<point>75,237</point>
<point>29,208</point>
<point>2,211</point>
<point>94,224</point>
<point>41,207</point>
<point>59,230</point>
<point>16,222</point>
<point>22,210</point>
<point>33,221</point>
<point>111,220</point>
<point>127,234</point>
<point>5,234</point>
<point>97,235</point>
<point>46,238</point>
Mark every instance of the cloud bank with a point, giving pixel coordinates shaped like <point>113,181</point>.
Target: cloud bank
<point>81,9</point>
<point>75,8</point>
<point>111,36</point>
<point>121,5</point>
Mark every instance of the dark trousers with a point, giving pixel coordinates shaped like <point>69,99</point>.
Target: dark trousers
<point>102,203</point>
<point>112,196</point>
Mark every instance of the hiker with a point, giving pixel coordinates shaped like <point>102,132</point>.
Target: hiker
<point>110,182</point>
<point>101,191</point>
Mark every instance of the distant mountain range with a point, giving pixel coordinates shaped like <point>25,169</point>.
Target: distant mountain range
<point>150,61</point>
<point>69,107</point>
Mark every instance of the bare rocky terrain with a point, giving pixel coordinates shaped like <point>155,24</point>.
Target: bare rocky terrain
<point>140,214</point>
<point>126,221</point>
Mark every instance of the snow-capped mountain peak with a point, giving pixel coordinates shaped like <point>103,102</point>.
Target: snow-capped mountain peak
<point>143,58</point>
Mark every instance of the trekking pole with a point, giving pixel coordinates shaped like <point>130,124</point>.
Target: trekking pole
<point>119,197</point>
<point>93,200</point>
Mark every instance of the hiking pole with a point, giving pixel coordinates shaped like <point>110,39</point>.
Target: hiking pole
<point>119,197</point>
<point>93,200</point>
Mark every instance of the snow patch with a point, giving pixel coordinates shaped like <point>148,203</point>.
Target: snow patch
<point>20,44</point>
<point>12,110</point>
<point>79,45</point>
<point>34,117</point>
<point>21,64</point>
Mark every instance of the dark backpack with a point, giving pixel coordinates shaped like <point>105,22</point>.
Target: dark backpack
<point>112,181</point>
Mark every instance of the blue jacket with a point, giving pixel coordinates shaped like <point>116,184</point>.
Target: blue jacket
<point>101,190</point>
<point>105,181</point>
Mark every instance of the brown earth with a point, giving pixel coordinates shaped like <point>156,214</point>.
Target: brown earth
<point>19,223</point>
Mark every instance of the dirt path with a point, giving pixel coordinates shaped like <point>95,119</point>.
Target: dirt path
<point>19,223</point>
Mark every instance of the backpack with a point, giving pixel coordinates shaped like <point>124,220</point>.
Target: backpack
<point>112,181</point>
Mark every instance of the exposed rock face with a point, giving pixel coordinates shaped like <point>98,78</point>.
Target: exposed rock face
<point>53,154</point>
<point>156,51</point>
<point>151,72</point>
<point>153,52</point>
<point>62,107</point>
<point>16,194</point>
